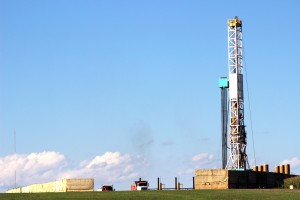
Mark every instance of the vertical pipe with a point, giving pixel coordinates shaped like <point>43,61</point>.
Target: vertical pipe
<point>260,168</point>
<point>266,168</point>
<point>176,183</point>
<point>281,168</point>
<point>224,125</point>
<point>193,182</point>
<point>158,184</point>
<point>287,169</point>
<point>276,169</point>
<point>140,179</point>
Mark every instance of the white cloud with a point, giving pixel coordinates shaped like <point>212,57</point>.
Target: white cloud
<point>186,172</point>
<point>108,159</point>
<point>202,158</point>
<point>29,167</point>
<point>111,167</point>
<point>294,162</point>
<point>198,161</point>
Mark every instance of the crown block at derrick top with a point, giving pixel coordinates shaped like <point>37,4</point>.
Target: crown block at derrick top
<point>234,22</point>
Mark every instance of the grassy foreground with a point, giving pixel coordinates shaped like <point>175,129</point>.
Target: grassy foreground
<point>145,195</point>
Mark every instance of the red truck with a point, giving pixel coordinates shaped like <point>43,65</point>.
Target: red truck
<point>140,185</point>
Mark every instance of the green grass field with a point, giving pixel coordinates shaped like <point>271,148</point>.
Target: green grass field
<point>145,195</point>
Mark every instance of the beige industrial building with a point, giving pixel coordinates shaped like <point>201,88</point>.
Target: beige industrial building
<point>259,177</point>
<point>65,185</point>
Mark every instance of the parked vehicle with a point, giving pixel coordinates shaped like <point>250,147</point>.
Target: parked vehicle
<point>106,188</point>
<point>140,185</point>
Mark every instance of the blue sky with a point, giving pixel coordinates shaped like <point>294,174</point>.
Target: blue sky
<point>134,85</point>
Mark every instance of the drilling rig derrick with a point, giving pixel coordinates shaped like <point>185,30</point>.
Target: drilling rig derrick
<point>237,132</point>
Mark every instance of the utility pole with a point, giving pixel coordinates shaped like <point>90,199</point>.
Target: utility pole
<point>15,150</point>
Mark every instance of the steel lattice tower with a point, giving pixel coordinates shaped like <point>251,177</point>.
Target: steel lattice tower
<point>237,132</point>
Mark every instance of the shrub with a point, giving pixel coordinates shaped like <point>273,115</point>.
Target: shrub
<point>295,181</point>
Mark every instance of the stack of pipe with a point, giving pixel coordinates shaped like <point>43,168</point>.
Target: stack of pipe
<point>261,168</point>
<point>283,169</point>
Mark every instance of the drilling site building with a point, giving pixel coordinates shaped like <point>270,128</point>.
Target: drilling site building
<point>64,185</point>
